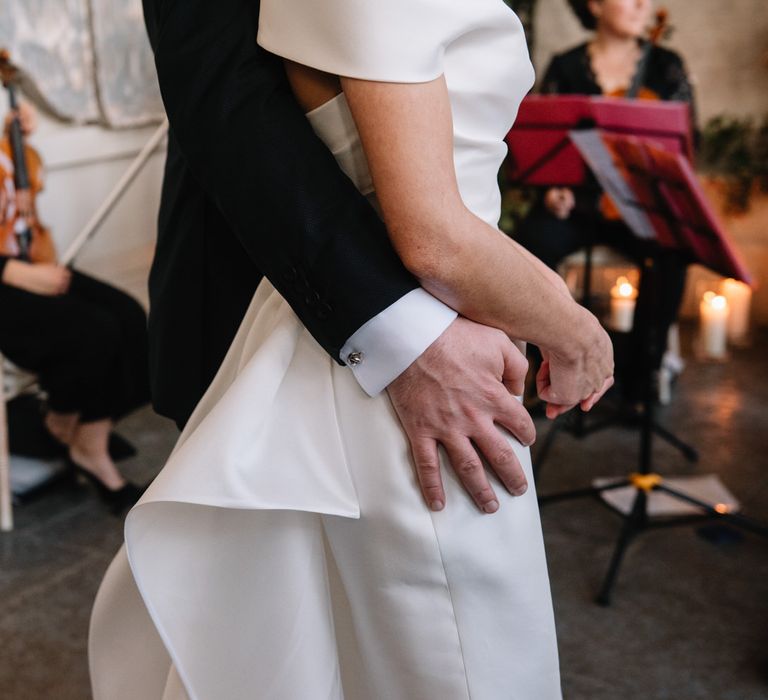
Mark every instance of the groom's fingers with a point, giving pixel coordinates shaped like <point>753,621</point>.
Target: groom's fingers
<point>502,459</point>
<point>425,457</point>
<point>515,368</point>
<point>469,468</point>
<point>453,393</point>
<point>511,414</point>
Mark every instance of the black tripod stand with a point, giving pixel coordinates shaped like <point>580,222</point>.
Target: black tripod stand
<point>645,480</point>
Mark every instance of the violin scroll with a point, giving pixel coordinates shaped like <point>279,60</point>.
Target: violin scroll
<point>9,73</point>
<point>662,29</point>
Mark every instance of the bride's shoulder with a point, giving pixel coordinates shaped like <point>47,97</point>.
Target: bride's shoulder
<point>389,40</point>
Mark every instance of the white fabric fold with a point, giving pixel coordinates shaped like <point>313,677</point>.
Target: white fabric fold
<point>267,460</point>
<point>241,462</point>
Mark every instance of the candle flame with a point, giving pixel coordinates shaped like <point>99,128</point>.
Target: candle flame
<point>719,302</point>
<point>709,296</point>
<point>722,508</point>
<point>623,289</point>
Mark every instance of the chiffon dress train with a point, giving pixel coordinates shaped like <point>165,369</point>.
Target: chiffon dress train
<point>284,552</point>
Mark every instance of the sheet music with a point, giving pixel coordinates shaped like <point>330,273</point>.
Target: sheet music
<point>598,157</point>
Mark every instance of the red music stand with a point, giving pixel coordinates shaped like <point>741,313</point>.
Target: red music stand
<point>541,152</point>
<point>660,197</point>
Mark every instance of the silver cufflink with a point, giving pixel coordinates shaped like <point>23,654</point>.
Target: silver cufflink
<point>354,358</point>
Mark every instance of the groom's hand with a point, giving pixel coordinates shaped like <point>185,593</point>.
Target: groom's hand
<point>454,394</point>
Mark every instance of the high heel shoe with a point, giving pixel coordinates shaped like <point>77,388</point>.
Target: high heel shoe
<point>116,500</point>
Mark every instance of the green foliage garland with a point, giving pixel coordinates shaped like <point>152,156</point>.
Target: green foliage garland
<point>735,151</point>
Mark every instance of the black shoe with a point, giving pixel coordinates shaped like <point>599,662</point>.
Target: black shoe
<point>119,448</point>
<point>116,500</point>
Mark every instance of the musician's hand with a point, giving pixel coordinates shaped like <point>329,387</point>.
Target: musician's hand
<point>560,201</point>
<point>38,278</point>
<point>24,206</point>
<point>578,374</point>
<point>51,280</point>
<point>26,114</point>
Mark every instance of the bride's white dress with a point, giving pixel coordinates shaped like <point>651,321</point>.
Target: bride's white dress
<point>284,551</point>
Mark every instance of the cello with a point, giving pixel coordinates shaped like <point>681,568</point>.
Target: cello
<point>21,169</point>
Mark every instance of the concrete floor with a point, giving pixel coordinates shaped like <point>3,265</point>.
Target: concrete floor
<point>689,619</point>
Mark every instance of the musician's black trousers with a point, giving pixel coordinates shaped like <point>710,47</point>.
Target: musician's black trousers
<point>87,347</point>
<point>551,240</point>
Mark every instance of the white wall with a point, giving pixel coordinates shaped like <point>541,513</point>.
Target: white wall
<point>83,163</point>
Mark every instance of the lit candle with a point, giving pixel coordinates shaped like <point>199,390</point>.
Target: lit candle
<point>714,325</point>
<point>739,296</point>
<point>623,300</point>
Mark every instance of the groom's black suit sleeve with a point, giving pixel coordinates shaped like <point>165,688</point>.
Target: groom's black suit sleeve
<point>240,139</point>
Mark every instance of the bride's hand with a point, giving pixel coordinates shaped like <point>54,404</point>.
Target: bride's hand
<point>454,395</point>
<point>580,374</point>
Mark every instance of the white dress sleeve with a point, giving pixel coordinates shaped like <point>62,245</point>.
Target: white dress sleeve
<point>387,40</point>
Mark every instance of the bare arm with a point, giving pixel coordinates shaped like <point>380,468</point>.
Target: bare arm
<point>458,390</point>
<point>38,278</point>
<point>407,133</point>
<point>313,88</point>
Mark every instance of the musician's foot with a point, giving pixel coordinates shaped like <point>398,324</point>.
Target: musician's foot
<point>89,450</point>
<point>99,466</point>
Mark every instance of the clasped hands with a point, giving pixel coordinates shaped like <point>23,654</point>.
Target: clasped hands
<point>465,385</point>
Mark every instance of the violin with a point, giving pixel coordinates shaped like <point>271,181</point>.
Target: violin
<point>21,234</point>
<point>636,90</point>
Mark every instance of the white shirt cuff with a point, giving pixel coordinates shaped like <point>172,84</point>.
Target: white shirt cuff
<point>383,348</point>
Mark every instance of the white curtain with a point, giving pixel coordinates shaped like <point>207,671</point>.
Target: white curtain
<point>83,60</point>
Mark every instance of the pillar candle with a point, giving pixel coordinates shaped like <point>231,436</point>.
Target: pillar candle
<point>739,296</point>
<point>714,325</point>
<point>623,300</point>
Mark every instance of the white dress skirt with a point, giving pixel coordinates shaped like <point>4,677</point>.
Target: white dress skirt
<point>284,551</point>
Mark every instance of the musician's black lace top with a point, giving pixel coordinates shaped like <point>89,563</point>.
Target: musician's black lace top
<point>571,73</point>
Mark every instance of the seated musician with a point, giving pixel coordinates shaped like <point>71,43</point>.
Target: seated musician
<point>616,62</point>
<point>85,340</point>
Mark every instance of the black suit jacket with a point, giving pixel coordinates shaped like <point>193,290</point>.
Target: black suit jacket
<point>249,190</point>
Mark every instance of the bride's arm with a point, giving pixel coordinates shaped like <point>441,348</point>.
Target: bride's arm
<point>407,134</point>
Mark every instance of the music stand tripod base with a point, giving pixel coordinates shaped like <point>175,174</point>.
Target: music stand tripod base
<point>638,520</point>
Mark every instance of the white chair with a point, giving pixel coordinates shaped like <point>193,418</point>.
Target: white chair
<point>13,382</point>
